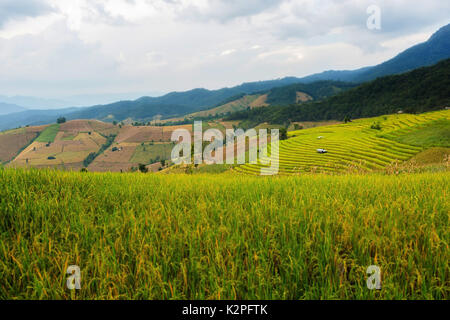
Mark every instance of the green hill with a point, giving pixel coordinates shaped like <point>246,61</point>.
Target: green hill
<point>360,145</point>
<point>421,90</point>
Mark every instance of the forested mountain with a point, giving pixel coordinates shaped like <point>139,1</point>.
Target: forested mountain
<point>437,48</point>
<point>317,90</point>
<point>420,90</point>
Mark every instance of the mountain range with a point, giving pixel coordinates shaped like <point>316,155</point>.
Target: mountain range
<point>174,104</point>
<point>437,48</point>
<point>421,90</point>
<point>8,108</point>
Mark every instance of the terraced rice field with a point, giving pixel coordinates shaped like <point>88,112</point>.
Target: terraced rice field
<point>223,236</point>
<point>350,146</point>
<point>63,146</point>
<point>13,141</point>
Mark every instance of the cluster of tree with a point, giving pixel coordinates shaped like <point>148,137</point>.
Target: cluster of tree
<point>144,169</point>
<point>193,119</point>
<point>61,120</point>
<point>317,90</point>
<point>91,157</point>
<point>417,91</point>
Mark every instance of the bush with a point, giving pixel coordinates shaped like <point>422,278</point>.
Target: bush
<point>375,126</point>
<point>61,120</point>
<point>143,168</point>
<point>89,159</point>
<point>283,134</point>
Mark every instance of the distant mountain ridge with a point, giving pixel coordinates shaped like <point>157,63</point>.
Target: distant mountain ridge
<point>174,104</point>
<point>421,90</point>
<point>8,108</point>
<point>437,48</point>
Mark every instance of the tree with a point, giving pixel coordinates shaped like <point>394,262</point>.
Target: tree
<point>143,168</point>
<point>61,120</point>
<point>376,126</point>
<point>283,133</point>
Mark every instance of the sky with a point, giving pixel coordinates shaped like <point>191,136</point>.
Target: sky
<point>63,49</point>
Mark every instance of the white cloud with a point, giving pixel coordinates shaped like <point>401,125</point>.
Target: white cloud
<point>227,52</point>
<point>64,47</point>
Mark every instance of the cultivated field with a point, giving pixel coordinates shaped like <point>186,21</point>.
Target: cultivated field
<point>13,141</point>
<point>63,151</point>
<point>364,144</point>
<point>224,236</point>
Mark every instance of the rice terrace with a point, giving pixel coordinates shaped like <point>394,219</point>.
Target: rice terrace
<point>162,236</point>
<point>333,185</point>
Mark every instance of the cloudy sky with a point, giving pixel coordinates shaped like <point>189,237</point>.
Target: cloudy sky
<point>60,48</point>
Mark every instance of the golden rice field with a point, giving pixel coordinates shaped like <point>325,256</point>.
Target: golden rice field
<point>226,236</point>
<point>355,145</point>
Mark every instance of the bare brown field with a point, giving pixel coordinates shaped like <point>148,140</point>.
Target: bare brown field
<point>259,102</point>
<point>229,124</point>
<point>11,142</point>
<point>139,134</point>
<point>154,167</point>
<point>115,161</point>
<point>68,153</point>
<point>148,133</point>
<point>303,97</point>
<point>252,101</point>
<point>76,126</point>
<point>311,124</point>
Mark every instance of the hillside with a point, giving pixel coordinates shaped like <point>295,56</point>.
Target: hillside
<point>92,144</point>
<point>12,142</point>
<point>7,108</point>
<point>301,92</point>
<point>145,108</point>
<point>284,95</point>
<point>421,90</point>
<point>437,48</point>
<point>370,144</point>
<point>246,101</point>
<point>100,146</point>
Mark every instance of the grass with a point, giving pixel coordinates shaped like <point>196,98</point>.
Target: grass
<point>224,236</point>
<point>432,156</point>
<point>434,134</point>
<point>49,134</point>
<point>147,152</point>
